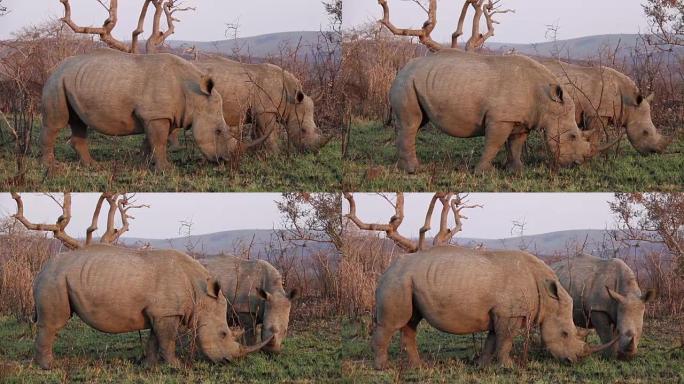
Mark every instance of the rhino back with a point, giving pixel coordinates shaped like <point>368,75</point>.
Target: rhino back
<point>455,288</point>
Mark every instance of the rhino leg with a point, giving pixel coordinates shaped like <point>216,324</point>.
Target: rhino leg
<point>496,134</point>
<point>174,142</point>
<point>157,134</point>
<point>408,341</point>
<point>266,124</point>
<point>408,121</point>
<point>604,327</point>
<point>380,344</point>
<point>249,324</point>
<point>166,330</point>
<point>79,139</point>
<point>515,145</point>
<point>152,350</point>
<point>488,351</point>
<point>505,330</point>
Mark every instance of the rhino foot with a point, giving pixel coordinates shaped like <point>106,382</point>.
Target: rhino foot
<point>409,167</point>
<point>515,168</point>
<point>380,365</point>
<point>44,362</point>
<point>484,169</point>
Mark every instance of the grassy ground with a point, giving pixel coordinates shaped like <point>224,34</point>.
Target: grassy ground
<point>121,167</point>
<point>448,162</point>
<point>82,354</point>
<point>449,359</point>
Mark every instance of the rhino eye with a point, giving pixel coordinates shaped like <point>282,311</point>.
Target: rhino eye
<point>224,334</point>
<point>573,136</point>
<point>645,133</point>
<point>218,131</point>
<point>565,334</point>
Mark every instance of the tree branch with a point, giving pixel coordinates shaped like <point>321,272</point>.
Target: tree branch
<point>423,34</point>
<point>105,32</point>
<point>57,229</point>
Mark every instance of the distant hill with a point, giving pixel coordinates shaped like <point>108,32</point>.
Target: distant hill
<point>582,48</point>
<point>256,46</point>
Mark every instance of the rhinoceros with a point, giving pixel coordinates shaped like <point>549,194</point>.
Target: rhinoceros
<point>606,297</point>
<point>255,294</point>
<point>117,290</point>
<point>501,98</point>
<point>269,97</point>
<point>461,291</point>
<point>121,94</point>
<point>604,97</point>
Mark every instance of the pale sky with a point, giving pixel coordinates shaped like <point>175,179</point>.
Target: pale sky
<point>575,18</point>
<point>206,23</point>
<point>209,212</point>
<point>542,212</point>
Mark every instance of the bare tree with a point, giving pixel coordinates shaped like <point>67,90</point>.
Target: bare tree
<point>452,203</point>
<point>486,8</point>
<point>165,8</point>
<point>3,9</point>
<point>652,218</point>
<point>119,203</point>
<point>312,217</point>
<point>666,18</point>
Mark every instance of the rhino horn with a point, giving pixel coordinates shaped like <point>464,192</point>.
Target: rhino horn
<point>244,147</point>
<point>602,148</point>
<point>246,350</point>
<point>324,141</point>
<point>664,143</point>
<point>598,348</point>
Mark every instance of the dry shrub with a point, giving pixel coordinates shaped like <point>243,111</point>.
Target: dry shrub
<point>22,256</point>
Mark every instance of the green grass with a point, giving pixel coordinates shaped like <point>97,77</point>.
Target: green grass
<point>82,354</point>
<point>448,163</point>
<point>122,167</point>
<point>449,359</point>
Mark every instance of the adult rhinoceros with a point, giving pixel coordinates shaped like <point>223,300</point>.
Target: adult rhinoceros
<point>604,97</point>
<point>606,297</point>
<point>116,290</point>
<point>269,97</point>
<point>461,291</point>
<point>255,294</point>
<point>121,94</point>
<point>501,98</point>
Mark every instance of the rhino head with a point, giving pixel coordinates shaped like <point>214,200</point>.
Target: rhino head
<point>641,132</point>
<point>212,135</point>
<point>302,131</point>
<point>276,317</point>
<point>566,142</point>
<point>558,331</point>
<point>216,340</point>
<point>630,320</point>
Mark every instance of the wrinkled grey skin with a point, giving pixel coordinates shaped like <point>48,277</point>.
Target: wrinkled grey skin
<point>117,290</point>
<point>499,97</point>
<point>268,97</point>
<point>255,294</point>
<point>606,297</point>
<point>604,97</point>
<point>462,291</point>
<point>122,94</point>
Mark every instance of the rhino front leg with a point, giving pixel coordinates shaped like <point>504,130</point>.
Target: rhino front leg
<point>515,145</point>
<point>266,124</point>
<point>152,350</point>
<point>488,351</point>
<point>496,134</point>
<point>166,330</point>
<point>604,328</point>
<point>157,134</point>
<point>505,329</point>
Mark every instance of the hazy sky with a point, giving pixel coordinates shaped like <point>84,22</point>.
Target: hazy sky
<point>542,212</point>
<point>207,23</point>
<point>527,25</point>
<point>209,212</point>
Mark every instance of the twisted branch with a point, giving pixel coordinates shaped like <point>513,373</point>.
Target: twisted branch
<point>58,229</point>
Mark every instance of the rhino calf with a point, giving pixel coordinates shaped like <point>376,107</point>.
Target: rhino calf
<point>117,290</point>
<point>120,94</point>
<point>462,291</point>
<point>604,96</point>
<point>268,97</point>
<point>501,98</point>
<point>255,294</point>
<point>606,297</point>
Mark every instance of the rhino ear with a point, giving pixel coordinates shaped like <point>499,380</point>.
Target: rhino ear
<point>206,85</point>
<point>552,288</point>
<point>650,295</point>
<point>299,97</point>
<point>213,288</point>
<point>557,93</point>
<point>293,294</point>
<point>263,294</point>
<point>615,296</point>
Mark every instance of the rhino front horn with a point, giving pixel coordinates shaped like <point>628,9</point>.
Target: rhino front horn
<point>664,143</point>
<point>244,147</point>
<point>253,348</point>
<point>324,141</point>
<point>590,350</point>
<point>602,148</point>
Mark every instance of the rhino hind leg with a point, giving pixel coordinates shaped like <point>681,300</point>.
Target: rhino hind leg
<point>166,331</point>
<point>55,118</point>
<point>408,341</point>
<point>604,327</point>
<point>380,344</point>
<point>408,119</point>
<point>496,135</point>
<point>79,139</point>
